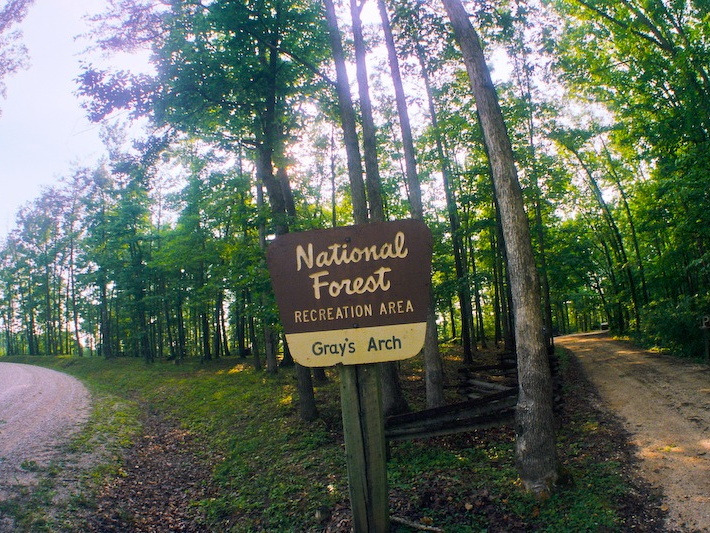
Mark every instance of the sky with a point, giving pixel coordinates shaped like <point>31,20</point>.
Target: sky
<point>43,130</point>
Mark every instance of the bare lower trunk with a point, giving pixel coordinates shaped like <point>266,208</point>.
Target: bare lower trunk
<point>306,399</point>
<point>432,362</point>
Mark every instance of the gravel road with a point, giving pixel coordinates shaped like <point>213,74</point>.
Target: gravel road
<point>39,411</point>
<point>665,405</point>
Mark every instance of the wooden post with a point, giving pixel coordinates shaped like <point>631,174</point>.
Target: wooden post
<point>365,449</point>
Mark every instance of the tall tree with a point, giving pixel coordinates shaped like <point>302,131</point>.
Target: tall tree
<point>71,223</point>
<point>347,117</point>
<point>373,181</point>
<point>132,231</point>
<point>392,395</point>
<point>233,73</point>
<point>535,444</point>
<point>99,254</point>
<point>432,357</point>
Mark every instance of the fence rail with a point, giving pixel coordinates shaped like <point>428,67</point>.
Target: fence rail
<point>484,411</point>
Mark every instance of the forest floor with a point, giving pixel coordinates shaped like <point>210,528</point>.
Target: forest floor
<point>168,469</point>
<point>644,412</point>
<point>664,404</point>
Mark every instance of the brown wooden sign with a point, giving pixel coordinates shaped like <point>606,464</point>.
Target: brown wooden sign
<point>355,294</point>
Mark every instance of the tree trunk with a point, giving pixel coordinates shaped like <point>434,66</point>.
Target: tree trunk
<point>205,334</point>
<point>497,296</point>
<point>369,134</point>
<point>223,328</point>
<point>433,365</point>
<point>253,341</point>
<point>241,324</point>
<point>617,240</point>
<point>287,359</point>
<point>75,307</point>
<point>410,160</point>
<point>504,296</point>
<point>632,225</point>
<point>105,321</point>
<point>306,402</point>
<point>172,345</point>
<point>347,117</point>
<point>282,208</point>
<point>392,397</point>
<point>544,279</point>
<point>462,288</point>
<point>217,326</point>
<point>535,444</point>
<point>182,334</point>
<point>477,295</point>
<point>432,362</point>
<point>269,349</point>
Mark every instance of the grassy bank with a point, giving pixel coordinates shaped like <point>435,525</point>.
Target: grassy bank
<point>270,471</point>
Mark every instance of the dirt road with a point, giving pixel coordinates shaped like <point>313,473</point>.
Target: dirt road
<point>39,410</point>
<point>665,405</point>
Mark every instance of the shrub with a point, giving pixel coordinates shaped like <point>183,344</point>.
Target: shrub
<point>675,325</point>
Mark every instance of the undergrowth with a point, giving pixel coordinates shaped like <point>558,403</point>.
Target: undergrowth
<point>273,472</point>
<point>92,456</point>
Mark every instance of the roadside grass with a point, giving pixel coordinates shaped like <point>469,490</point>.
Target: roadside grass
<point>275,473</point>
<point>92,456</point>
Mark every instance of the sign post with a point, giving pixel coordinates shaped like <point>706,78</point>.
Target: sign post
<point>365,447</point>
<point>356,296</point>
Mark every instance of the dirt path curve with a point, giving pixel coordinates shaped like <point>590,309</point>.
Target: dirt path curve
<point>665,405</point>
<point>39,410</point>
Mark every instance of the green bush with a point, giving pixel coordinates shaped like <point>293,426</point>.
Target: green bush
<point>674,325</point>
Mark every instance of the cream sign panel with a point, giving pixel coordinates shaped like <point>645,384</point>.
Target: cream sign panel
<point>353,295</point>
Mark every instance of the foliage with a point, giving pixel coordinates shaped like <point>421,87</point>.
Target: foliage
<point>675,325</point>
<point>158,251</point>
<point>647,64</point>
<point>13,54</point>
